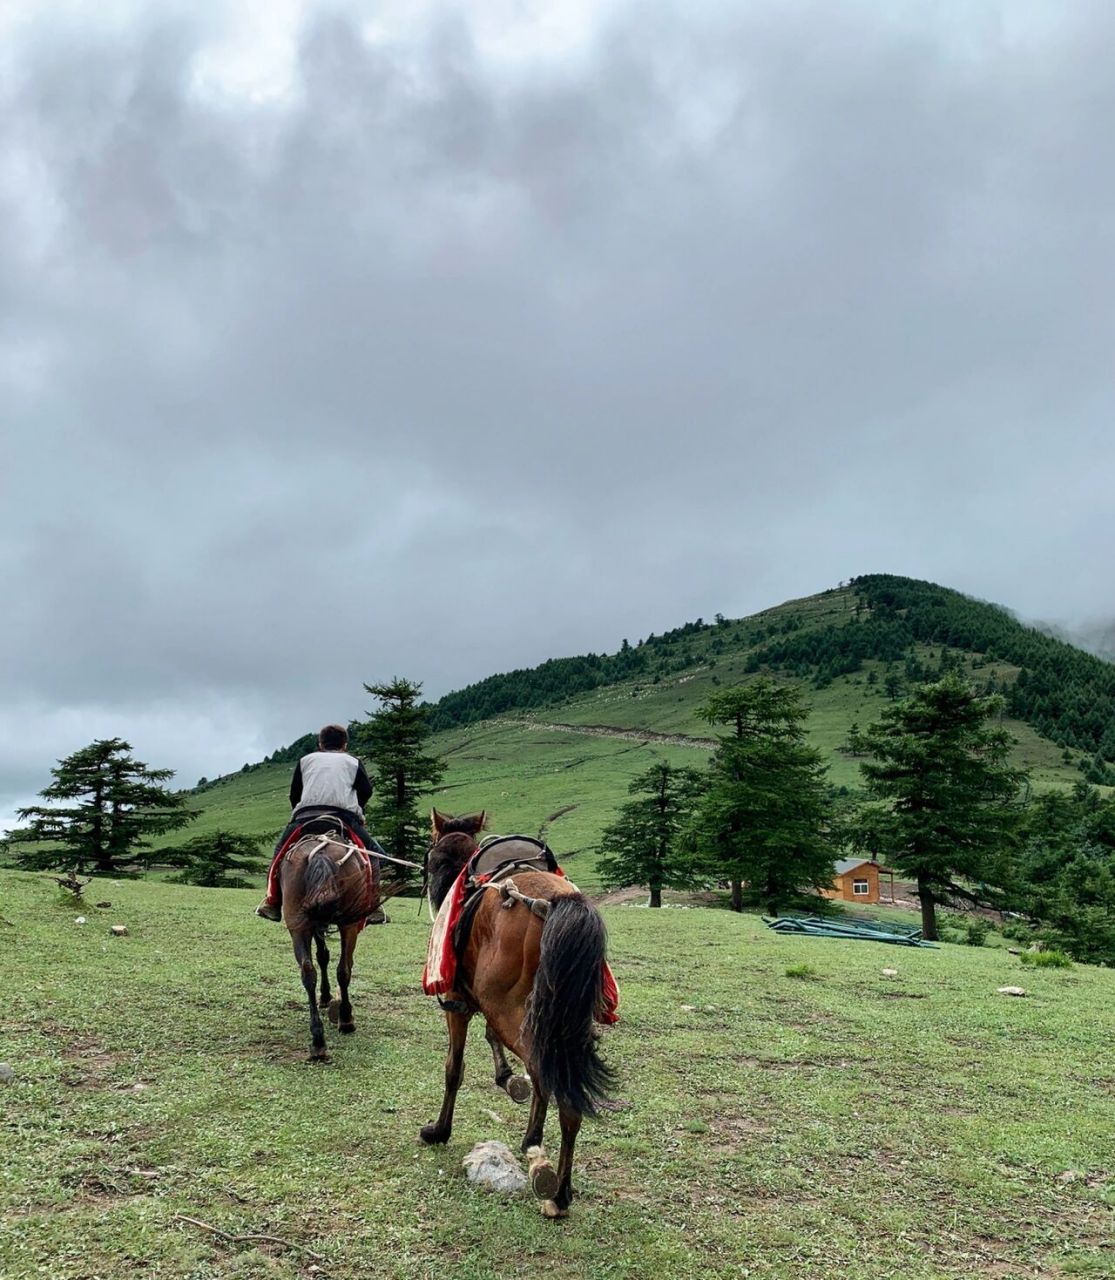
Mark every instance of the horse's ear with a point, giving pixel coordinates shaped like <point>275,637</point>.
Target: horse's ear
<point>483,820</point>
<point>476,822</point>
<point>437,821</point>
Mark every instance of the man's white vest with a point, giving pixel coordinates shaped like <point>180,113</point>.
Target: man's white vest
<point>328,778</point>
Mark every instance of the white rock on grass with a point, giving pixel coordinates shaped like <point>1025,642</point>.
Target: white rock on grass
<point>80,920</point>
<point>1012,991</point>
<point>492,1165</point>
<point>890,973</point>
<point>7,1075</point>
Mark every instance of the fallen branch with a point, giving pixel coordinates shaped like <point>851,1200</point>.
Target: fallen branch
<point>228,1235</point>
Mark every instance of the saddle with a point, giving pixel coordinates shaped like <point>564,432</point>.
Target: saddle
<point>496,855</point>
<point>324,823</point>
<point>496,859</point>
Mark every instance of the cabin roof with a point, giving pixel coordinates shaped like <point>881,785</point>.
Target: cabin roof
<point>844,865</point>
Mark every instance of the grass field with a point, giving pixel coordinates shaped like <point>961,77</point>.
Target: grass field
<point>841,1124</point>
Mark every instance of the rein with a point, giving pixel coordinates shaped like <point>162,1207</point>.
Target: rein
<point>356,848</point>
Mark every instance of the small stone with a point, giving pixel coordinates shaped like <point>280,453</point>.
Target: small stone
<point>492,1165</point>
<point>119,930</point>
<point>1069,1175</point>
<point>7,1075</point>
<point>890,973</point>
<point>80,920</point>
<point>1014,951</point>
<point>689,1008</point>
<point>102,905</point>
<point>1012,991</point>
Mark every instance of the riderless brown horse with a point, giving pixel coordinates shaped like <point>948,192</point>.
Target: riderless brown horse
<point>533,967</point>
<point>325,882</point>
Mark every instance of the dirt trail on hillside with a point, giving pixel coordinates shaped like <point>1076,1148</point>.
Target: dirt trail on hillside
<point>609,731</point>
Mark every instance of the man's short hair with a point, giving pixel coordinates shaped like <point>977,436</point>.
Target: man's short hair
<point>333,737</point>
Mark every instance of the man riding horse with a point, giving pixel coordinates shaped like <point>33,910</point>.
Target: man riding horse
<point>326,783</point>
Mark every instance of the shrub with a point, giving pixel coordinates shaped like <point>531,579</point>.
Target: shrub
<point>1047,959</point>
<point>801,971</point>
<point>977,931</point>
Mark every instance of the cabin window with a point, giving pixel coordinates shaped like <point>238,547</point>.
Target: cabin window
<point>860,888</point>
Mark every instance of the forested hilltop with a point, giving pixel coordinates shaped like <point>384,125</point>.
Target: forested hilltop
<point>555,746</point>
<point>1067,695</point>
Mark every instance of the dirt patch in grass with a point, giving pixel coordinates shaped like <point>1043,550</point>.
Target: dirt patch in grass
<point>89,1063</point>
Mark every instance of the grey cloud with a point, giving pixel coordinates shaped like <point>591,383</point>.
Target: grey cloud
<point>741,302</point>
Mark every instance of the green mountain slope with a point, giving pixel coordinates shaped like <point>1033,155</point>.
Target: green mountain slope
<point>553,748</point>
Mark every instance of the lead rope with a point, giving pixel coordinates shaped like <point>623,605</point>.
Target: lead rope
<point>425,885</point>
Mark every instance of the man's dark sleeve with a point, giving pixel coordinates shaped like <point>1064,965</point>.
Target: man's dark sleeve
<point>363,785</point>
<point>296,785</point>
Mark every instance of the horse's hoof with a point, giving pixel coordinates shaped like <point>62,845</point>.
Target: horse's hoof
<point>346,1028</point>
<point>550,1210</point>
<point>431,1135</point>
<point>334,1014</point>
<point>518,1088</point>
<point>544,1182</point>
<point>319,1055</point>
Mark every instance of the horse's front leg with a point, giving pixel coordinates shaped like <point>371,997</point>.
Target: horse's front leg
<point>349,935</point>
<point>439,1131</point>
<point>516,1087</point>
<point>309,981</point>
<point>326,997</point>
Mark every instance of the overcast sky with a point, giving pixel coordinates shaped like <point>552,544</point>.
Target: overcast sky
<point>346,340</point>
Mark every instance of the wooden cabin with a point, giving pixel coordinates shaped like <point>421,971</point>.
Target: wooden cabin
<point>857,880</point>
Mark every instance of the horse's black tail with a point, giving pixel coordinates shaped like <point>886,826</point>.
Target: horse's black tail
<point>560,1011</point>
<point>321,889</point>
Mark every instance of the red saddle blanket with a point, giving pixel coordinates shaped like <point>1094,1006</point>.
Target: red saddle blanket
<point>441,955</point>
<point>371,868</point>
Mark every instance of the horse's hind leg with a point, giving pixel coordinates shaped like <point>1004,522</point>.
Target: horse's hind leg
<point>558,1205</point>
<point>543,1180</point>
<point>309,981</point>
<point>439,1131</point>
<point>349,934</point>
<point>323,965</point>
<point>517,1087</point>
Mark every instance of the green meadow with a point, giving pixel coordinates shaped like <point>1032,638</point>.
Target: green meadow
<point>784,1108</point>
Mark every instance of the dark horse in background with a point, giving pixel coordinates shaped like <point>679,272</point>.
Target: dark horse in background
<point>538,984</point>
<point>325,882</point>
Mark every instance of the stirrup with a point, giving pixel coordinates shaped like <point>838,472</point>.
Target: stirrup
<point>267,912</point>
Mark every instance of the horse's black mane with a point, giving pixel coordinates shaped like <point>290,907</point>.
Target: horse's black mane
<point>445,860</point>
<point>465,825</point>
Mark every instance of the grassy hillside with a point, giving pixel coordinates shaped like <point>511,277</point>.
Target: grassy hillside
<point>845,1124</point>
<point>562,764</point>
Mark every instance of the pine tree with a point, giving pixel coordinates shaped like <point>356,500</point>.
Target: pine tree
<point>643,844</point>
<point>214,861</point>
<point>394,738</point>
<point>116,803</point>
<point>945,792</point>
<point>763,819</point>
<point>1065,875</point>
